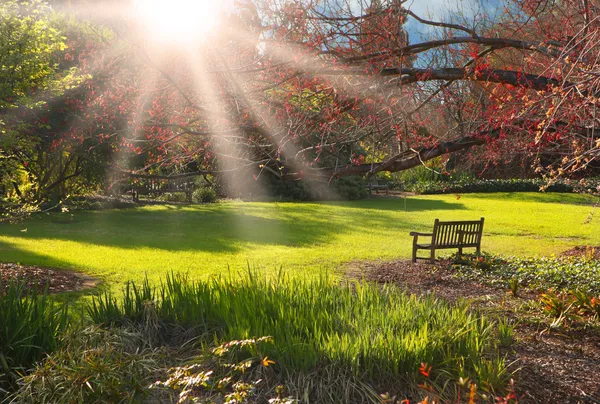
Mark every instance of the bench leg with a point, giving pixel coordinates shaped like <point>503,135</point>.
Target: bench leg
<point>432,259</point>
<point>414,254</point>
<point>478,250</point>
<point>460,252</point>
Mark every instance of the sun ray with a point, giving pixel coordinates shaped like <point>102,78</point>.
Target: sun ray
<point>276,133</point>
<point>122,159</point>
<point>230,151</point>
<point>303,61</point>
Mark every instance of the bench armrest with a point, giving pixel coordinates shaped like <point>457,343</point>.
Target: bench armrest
<point>416,233</point>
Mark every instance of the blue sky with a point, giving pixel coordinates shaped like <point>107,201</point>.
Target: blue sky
<point>444,10</point>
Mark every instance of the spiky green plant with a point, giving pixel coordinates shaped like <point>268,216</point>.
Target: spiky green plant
<point>376,332</point>
<point>30,326</point>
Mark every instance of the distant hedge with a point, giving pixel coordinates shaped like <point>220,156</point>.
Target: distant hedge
<point>495,185</point>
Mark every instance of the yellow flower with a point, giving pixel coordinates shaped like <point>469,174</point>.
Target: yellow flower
<point>267,362</point>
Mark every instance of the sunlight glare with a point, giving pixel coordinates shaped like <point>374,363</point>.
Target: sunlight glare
<point>179,20</point>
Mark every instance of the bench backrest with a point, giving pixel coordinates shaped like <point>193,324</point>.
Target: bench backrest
<point>161,186</point>
<point>457,234</point>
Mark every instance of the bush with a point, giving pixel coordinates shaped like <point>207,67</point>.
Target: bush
<point>204,195</point>
<point>345,188</point>
<point>369,330</point>
<point>97,202</point>
<point>472,186</point>
<point>93,366</point>
<point>172,197</point>
<point>351,188</point>
<point>30,326</point>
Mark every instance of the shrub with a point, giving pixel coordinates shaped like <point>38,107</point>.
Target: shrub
<point>429,172</point>
<point>233,372</point>
<point>500,185</point>
<point>378,332</point>
<point>93,366</point>
<point>345,188</point>
<point>204,195</point>
<point>30,326</point>
<point>97,202</point>
<point>289,190</point>
<point>351,188</point>
<point>494,185</point>
<point>172,197</point>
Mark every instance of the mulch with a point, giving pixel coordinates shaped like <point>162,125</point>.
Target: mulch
<point>57,280</point>
<point>556,366</point>
<point>592,252</point>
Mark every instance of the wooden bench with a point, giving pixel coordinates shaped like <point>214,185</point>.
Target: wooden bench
<point>377,187</point>
<point>450,235</point>
<point>159,186</point>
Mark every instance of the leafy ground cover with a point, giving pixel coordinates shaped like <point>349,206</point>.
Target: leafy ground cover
<point>562,273</point>
<point>303,238</point>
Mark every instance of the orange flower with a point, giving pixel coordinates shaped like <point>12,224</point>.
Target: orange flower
<point>425,369</point>
<point>266,361</point>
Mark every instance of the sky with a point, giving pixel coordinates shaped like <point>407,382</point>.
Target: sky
<point>444,10</point>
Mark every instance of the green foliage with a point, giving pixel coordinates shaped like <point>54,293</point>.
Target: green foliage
<point>204,195</point>
<point>94,202</point>
<point>506,333</point>
<point>13,211</point>
<point>28,47</point>
<point>351,188</point>
<point>289,190</point>
<point>513,284</point>
<point>428,172</point>
<point>563,273</point>
<point>42,90</point>
<point>486,186</point>
<point>178,197</point>
<point>233,372</point>
<point>94,365</point>
<point>345,188</point>
<point>30,325</point>
<point>379,332</point>
<point>571,306</point>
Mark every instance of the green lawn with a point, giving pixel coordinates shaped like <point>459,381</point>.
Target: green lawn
<point>300,237</point>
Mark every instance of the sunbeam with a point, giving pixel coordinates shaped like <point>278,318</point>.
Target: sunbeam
<point>179,21</point>
<point>122,158</point>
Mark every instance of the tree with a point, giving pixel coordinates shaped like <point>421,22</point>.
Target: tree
<point>338,78</point>
<point>314,90</point>
<point>51,144</point>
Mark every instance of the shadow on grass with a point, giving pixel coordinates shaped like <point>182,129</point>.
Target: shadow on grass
<point>223,228</point>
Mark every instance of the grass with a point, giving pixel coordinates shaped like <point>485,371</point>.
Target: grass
<point>376,333</point>
<point>303,238</point>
